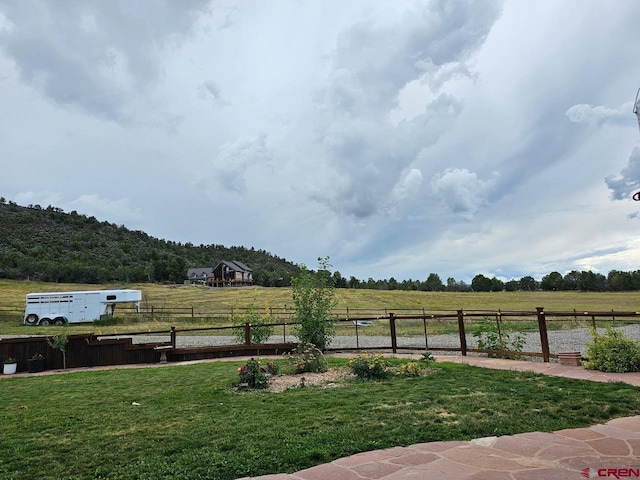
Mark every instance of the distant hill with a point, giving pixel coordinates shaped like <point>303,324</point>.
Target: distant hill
<point>50,245</point>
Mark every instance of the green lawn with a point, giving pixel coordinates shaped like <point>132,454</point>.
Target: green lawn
<point>192,424</point>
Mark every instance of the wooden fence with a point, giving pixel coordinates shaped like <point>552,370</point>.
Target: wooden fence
<point>91,350</point>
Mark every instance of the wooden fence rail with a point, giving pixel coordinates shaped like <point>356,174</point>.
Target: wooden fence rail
<point>89,350</point>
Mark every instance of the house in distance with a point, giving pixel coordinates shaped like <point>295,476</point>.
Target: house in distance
<point>225,274</point>
<point>198,276</point>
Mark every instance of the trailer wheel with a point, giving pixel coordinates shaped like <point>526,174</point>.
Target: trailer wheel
<point>31,319</point>
<point>45,322</point>
<point>59,321</point>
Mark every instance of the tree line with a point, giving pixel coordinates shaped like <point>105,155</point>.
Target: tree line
<point>48,244</point>
<point>586,281</point>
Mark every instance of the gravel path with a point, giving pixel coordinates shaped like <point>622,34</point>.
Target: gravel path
<point>559,340</point>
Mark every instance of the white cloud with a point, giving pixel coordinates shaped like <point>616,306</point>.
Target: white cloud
<point>210,90</point>
<point>367,134</point>
<point>408,185</point>
<point>599,115</point>
<point>234,163</point>
<point>461,190</point>
<point>92,55</point>
<point>116,211</point>
<point>628,182</point>
<point>398,138</point>
<point>44,199</point>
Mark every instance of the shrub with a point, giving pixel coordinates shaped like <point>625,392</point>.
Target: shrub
<point>427,358</point>
<point>260,332</point>
<point>369,367</point>
<point>488,338</point>
<point>253,375</point>
<point>411,369</point>
<point>612,352</point>
<point>272,368</point>
<point>306,357</point>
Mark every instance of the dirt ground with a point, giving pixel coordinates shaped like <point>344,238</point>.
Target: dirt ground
<point>334,377</point>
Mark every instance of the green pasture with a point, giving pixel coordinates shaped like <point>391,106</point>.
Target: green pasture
<point>189,422</point>
<point>173,306</point>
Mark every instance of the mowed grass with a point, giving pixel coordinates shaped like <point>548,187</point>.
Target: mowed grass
<point>363,302</point>
<point>192,424</point>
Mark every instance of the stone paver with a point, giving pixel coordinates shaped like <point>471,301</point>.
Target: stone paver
<point>597,452</point>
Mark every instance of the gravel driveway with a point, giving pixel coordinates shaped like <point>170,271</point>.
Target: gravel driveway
<point>559,340</point>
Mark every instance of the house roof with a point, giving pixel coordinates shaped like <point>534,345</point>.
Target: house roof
<point>234,265</point>
<point>199,272</point>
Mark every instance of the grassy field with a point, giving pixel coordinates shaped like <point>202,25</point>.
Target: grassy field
<point>204,300</point>
<point>189,422</point>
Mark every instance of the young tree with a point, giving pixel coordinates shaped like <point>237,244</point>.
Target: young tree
<point>59,342</point>
<point>313,299</point>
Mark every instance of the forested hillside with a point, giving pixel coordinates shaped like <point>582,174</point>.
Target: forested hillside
<point>48,244</point>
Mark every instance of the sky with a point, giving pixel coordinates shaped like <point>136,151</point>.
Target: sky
<point>397,138</point>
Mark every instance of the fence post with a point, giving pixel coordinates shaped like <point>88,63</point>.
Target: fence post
<point>463,337</point>
<point>426,338</point>
<point>498,318</point>
<point>544,338</point>
<point>173,337</point>
<point>191,312</point>
<point>392,326</point>
<point>247,333</point>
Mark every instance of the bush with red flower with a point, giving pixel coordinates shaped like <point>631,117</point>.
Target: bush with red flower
<point>253,375</point>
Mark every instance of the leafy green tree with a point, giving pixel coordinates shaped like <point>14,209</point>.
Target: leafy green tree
<point>551,282</point>
<point>619,281</point>
<point>433,283</point>
<point>497,285</point>
<point>338,280</point>
<point>480,283</point>
<point>570,280</point>
<point>591,282</point>
<point>313,299</point>
<point>512,286</point>
<point>528,284</point>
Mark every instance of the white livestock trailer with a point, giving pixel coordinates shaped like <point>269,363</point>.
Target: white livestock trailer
<point>76,307</point>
